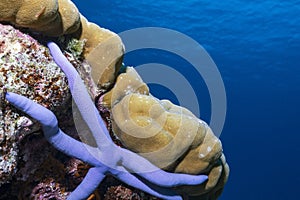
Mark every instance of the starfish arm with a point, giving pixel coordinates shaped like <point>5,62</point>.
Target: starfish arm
<point>154,174</point>
<point>89,184</point>
<point>130,179</point>
<point>53,134</point>
<point>81,97</point>
<point>166,179</point>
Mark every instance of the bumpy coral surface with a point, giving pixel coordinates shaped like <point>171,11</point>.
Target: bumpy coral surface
<point>26,68</point>
<point>43,16</point>
<point>169,136</point>
<point>107,44</point>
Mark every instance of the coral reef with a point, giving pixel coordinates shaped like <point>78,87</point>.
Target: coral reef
<point>106,158</point>
<point>39,166</point>
<point>169,136</point>
<point>60,17</point>
<point>26,68</point>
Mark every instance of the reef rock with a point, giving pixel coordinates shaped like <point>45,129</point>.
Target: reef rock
<point>26,68</point>
<point>168,135</point>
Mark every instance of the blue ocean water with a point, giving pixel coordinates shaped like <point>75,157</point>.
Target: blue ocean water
<point>256,47</point>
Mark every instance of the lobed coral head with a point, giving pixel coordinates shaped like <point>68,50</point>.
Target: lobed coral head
<point>169,136</point>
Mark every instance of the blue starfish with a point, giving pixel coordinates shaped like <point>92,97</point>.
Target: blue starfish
<point>106,158</point>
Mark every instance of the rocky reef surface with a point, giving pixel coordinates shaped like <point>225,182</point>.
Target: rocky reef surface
<point>26,68</point>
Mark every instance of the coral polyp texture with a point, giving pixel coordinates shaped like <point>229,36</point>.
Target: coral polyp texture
<point>170,136</point>
<point>26,67</point>
<point>43,16</point>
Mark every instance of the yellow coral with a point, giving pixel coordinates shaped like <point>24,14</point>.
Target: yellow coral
<point>104,52</point>
<point>43,16</point>
<point>169,136</point>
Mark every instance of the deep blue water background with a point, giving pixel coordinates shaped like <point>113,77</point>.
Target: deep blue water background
<point>256,46</point>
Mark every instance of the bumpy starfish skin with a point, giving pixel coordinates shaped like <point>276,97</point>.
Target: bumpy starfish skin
<point>106,158</point>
